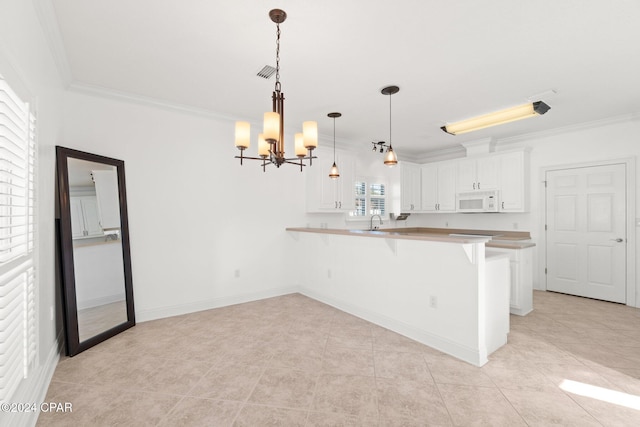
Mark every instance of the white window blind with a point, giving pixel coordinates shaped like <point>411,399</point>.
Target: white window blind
<point>18,286</point>
<point>371,197</point>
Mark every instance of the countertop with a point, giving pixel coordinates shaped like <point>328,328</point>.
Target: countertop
<point>491,238</point>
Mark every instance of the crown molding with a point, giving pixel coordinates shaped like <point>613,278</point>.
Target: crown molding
<point>629,117</point>
<point>49,24</point>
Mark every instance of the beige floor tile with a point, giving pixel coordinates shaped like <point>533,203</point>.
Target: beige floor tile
<point>332,419</point>
<point>231,382</point>
<point>134,408</point>
<point>517,377</point>
<point>284,387</point>
<point>394,365</point>
<point>479,406</point>
<point>458,372</point>
<point>196,412</point>
<point>348,361</point>
<point>256,415</point>
<point>346,394</point>
<point>545,409</point>
<point>411,400</point>
<point>217,358</point>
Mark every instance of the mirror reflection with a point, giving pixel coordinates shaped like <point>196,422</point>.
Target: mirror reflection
<point>97,247</point>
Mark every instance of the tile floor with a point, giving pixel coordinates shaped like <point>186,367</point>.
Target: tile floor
<point>292,361</point>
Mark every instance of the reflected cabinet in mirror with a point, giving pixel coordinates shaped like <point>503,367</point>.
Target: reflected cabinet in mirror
<point>94,248</point>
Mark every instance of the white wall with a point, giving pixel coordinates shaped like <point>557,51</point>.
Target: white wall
<point>608,140</point>
<point>196,217</point>
<point>28,67</point>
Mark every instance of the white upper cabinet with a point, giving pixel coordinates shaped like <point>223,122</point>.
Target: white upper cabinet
<point>479,173</point>
<point>106,182</point>
<point>410,187</point>
<point>85,218</point>
<point>514,182</point>
<point>330,195</point>
<point>439,187</point>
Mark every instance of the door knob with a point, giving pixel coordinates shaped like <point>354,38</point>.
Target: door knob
<point>619,240</point>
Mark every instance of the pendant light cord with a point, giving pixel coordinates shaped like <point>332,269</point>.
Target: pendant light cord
<point>278,87</point>
<point>390,120</point>
<point>334,140</point>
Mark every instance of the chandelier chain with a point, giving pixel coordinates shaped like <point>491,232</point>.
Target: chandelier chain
<point>278,58</point>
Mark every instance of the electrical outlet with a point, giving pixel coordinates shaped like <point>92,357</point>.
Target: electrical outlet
<point>433,301</point>
<point>236,273</point>
<point>51,312</point>
<point>329,273</point>
<point>515,225</point>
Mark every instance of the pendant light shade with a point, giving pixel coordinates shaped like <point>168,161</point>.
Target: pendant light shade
<point>333,173</point>
<point>390,158</point>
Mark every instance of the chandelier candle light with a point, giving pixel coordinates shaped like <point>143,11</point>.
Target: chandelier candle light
<point>271,140</point>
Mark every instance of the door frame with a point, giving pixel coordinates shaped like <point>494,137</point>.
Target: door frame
<point>632,294</point>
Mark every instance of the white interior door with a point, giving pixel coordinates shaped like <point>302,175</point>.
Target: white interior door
<point>586,231</point>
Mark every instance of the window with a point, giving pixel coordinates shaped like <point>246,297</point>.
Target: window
<point>371,197</point>
<point>18,322</point>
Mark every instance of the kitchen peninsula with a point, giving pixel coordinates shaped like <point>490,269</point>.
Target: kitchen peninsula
<point>445,290</point>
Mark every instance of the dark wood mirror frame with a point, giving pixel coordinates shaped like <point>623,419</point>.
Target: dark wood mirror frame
<point>65,246</point>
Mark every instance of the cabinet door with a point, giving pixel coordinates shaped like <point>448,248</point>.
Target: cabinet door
<point>91,216</point>
<point>346,190</point>
<point>487,173</point>
<point>429,186</point>
<point>321,190</point>
<point>447,187</point>
<point>106,182</point>
<point>513,194</point>
<point>410,187</point>
<point>466,175</point>
<point>77,218</point>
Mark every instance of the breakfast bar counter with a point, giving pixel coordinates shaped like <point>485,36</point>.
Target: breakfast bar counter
<point>444,291</point>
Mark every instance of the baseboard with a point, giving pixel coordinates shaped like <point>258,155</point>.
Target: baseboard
<point>456,350</point>
<point>95,302</point>
<point>34,389</point>
<point>177,310</point>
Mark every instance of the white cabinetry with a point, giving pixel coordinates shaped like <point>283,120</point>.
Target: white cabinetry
<point>521,262</point>
<point>330,195</point>
<point>478,173</point>
<point>438,183</point>
<point>410,198</point>
<point>85,219</point>
<point>514,181</point>
<point>106,182</point>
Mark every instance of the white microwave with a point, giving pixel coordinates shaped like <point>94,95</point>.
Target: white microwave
<point>477,201</point>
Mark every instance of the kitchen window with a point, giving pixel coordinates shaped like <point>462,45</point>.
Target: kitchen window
<point>371,198</point>
<point>18,239</point>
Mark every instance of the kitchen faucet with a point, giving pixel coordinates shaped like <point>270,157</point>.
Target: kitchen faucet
<point>371,224</point>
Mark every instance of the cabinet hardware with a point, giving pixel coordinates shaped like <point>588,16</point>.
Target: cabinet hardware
<point>474,185</point>
<point>478,186</point>
<point>619,240</point>
<point>502,205</point>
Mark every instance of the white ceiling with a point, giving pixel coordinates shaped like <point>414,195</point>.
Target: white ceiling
<point>452,59</point>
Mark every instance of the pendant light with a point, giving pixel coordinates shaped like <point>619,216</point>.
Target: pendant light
<point>390,158</point>
<point>333,173</point>
<point>271,140</point>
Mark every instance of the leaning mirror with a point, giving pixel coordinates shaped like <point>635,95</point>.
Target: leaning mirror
<point>93,236</point>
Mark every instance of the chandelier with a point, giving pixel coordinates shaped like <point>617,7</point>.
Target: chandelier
<point>271,140</point>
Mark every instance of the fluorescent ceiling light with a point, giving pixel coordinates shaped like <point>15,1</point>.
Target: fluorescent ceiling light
<point>497,118</point>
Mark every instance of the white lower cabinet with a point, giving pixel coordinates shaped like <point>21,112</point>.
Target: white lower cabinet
<point>330,195</point>
<point>521,263</point>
